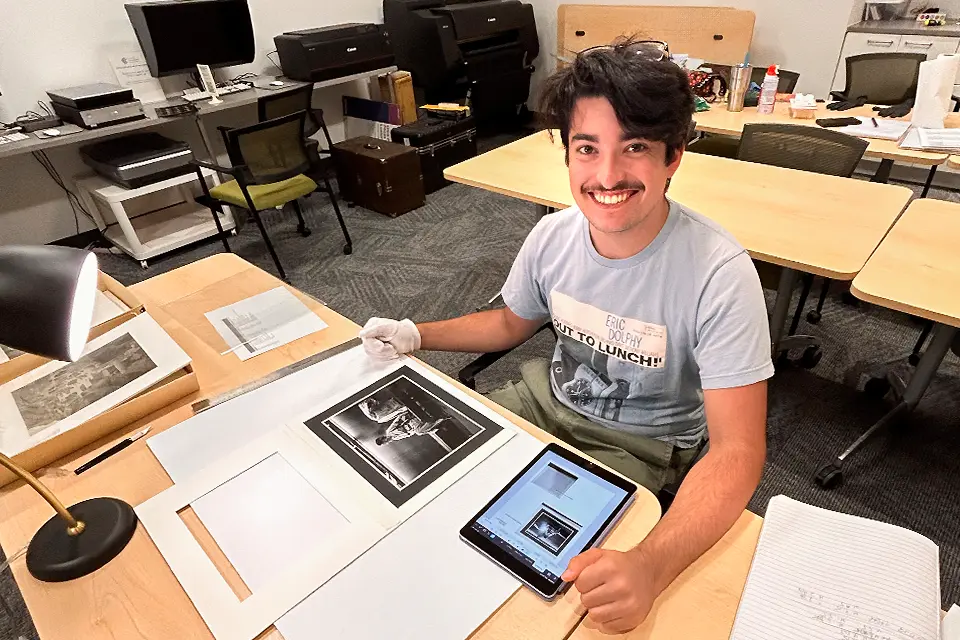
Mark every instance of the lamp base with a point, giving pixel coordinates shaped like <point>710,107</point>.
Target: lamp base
<point>56,556</point>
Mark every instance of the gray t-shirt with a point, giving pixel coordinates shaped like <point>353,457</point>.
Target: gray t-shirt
<point>640,338</point>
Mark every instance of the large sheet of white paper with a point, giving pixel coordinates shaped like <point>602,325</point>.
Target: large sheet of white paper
<point>59,396</point>
<point>263,322</point>
<point>190,446</point>
<point>934,91</point>
<point>106,306</point>
<point>421,581</point>
<point>227,617</point>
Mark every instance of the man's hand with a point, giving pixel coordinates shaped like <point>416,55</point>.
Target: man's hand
<point>385,339</point>
<point>617,588</point>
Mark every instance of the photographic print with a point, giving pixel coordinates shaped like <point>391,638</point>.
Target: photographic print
<point>551,530</point>
<point>79,384</point>
<point>555,480</point>
<point>402,433</point>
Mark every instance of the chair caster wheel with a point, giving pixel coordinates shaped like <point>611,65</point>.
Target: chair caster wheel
<point>347,249</point>
<point>829,476</point>
<point>143,265</point>
<point>811,357</point>
<point>814,317</point>
<point>876,388</point>
<point>304,231</point>
<point>914,359</point>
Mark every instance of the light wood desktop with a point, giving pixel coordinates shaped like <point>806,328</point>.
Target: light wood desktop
<point>702,602</point>
<point>720,121</point>
<point>915,269</point>
<point>136,596</point>
<point>953,162</point>
<point>818,224</point>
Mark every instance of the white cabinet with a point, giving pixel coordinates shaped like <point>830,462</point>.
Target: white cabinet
<point>857,43</point>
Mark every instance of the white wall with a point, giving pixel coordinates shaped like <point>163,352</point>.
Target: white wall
<point>803,36</point>
<point>60,43</point>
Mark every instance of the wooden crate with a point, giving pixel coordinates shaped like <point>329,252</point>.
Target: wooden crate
<point>166,392</point>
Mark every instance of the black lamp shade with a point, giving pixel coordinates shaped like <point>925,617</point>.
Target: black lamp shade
<point>46,299</point>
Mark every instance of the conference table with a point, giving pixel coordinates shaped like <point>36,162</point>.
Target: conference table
<point>801,221</point>
<point>136,596</point>
<point>914,270</point>
<point>730,123</point>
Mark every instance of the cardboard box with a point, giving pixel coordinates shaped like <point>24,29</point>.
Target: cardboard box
<point>21,364</point>
<point>180,384</point>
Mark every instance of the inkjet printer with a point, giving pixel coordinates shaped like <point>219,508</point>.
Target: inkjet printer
<point>313,55</point>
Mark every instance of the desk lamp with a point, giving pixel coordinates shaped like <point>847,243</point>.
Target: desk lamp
<point>47,296</point>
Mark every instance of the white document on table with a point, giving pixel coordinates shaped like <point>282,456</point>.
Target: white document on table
<point>133,73</point>
<point>264,322</point>
<point>422,594</point>
<point>106,306</point>
<point>885,129</point>
<point>823,575</point>
<point>934,91</point>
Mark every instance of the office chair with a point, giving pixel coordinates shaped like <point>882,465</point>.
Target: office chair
<point>284,103</point>
<point>881,78</point>
<point>268,161</point>
<point>807,149</point>
<point>725,146</point>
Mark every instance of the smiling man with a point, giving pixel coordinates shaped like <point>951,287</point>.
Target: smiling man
<point>660,317</point>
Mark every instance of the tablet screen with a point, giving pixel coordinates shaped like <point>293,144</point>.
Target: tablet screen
<point>553,511</point>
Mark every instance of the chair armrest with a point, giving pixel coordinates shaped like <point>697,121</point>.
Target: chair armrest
<point>206,164</point>
<point>956,102</point>
<point>838,95</point>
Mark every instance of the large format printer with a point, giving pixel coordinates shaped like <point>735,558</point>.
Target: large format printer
<point>453,47</point>
<point>313,55</point>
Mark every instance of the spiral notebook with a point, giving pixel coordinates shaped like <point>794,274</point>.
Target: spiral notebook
<point>823,575</point>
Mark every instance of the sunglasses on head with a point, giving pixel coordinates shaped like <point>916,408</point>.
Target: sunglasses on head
<point>650,49</point>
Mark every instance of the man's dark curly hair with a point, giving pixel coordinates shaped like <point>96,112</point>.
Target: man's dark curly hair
<point>652,99</point>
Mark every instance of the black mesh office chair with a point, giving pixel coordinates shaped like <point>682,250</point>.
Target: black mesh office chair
<point>283,103</point>
<point>807,149</point>
<point>881,78</point>
<point>268,161</point>
<point>725,146</point>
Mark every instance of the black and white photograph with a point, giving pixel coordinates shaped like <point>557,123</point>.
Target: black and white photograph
<point>555,480</point>
<point>402,433</point>
<point>551,530</point>
<point>79,384</point>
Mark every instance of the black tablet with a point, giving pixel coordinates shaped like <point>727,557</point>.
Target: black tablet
<point>557,507</point>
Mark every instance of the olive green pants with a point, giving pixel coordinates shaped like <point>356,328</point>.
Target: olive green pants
<point>649,462</point>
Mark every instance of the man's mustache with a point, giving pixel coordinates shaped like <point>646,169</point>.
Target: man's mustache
<point>623,185</point>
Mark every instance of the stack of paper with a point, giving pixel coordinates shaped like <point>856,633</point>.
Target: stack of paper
<point>879,128</point>
<point>822,575</point>
<point>944,140</point>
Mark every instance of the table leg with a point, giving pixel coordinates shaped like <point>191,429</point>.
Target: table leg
<point>788,279</point>
<point>926,185</point>
<point>543,210</point>
<point>830,475</point>
<point>883,171</point>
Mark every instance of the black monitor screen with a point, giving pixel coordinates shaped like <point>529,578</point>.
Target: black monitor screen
<point>177,35</point>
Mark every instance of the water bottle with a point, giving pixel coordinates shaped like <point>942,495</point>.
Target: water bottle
<point>768,91</point>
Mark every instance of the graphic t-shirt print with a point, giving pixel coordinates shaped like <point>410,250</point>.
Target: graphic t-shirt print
<point>602,356</point>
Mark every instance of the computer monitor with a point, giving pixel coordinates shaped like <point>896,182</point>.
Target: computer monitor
<point>177,35</point>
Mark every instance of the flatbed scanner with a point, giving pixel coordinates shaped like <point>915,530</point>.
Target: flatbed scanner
<point>138,159</point>
<point>451,47</point>
<point>314,55</point>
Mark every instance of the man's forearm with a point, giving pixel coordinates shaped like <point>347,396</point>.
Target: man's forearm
<point>481,332</point>
<point>710,500</point>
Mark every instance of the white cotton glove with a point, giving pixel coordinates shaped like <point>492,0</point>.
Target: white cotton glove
<point>385,339</point>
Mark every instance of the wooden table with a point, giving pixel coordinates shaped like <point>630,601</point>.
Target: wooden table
<point>730,123</point>
<point>802,221</point>
<point>136,596</point>
<point>914,270</point>
<point>702,602</point>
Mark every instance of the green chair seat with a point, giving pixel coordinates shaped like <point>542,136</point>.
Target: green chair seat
<point>265,196</point>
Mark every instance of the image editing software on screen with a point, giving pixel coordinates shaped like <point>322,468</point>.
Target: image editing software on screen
<point>549,514</point>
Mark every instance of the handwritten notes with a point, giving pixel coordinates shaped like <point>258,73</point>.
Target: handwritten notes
<point>822,575</point>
